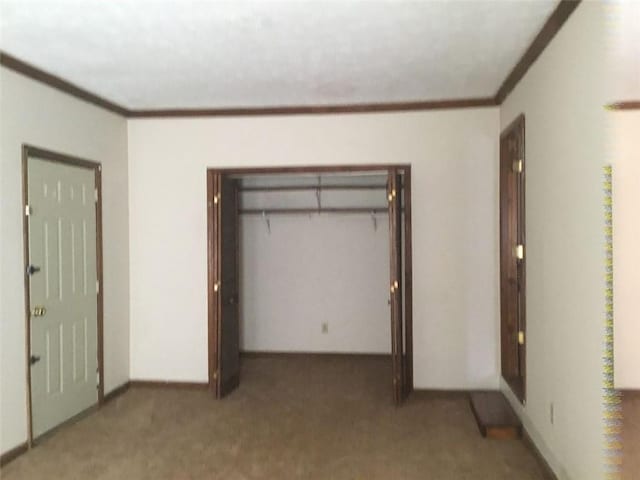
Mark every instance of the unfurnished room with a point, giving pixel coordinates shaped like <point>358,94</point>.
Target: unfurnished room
<point>348,239</point>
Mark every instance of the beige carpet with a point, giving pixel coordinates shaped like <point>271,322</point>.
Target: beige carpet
<point>309,418</point>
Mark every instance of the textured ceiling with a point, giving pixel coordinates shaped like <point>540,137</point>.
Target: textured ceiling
<point>145,54</point>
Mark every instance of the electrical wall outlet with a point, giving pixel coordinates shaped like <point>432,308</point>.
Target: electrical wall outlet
<point>325,327</point>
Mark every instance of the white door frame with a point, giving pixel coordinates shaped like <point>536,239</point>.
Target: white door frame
<point>43,154</point>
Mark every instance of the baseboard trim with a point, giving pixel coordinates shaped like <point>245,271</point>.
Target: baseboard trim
<point>168,384</point>
<point>116,392</point>
<point>299,355</point>
<point>14,453</point>
<point>548,472</point>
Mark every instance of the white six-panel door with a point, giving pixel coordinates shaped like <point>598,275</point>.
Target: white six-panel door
<point>63,292</point>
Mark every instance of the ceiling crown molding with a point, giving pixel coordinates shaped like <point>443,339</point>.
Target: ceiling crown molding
<point>58,83</point>
<point>553,24</point>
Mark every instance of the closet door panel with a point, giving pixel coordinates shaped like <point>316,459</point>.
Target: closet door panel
<point>225,288</point>
<point>394,196</point>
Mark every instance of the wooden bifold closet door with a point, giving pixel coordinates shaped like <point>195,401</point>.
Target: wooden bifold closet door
<point>225,366</point>
<point>400,289</point>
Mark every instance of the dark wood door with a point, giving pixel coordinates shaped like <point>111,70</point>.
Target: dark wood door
<point>512,257</point>
<point>226,371</point>
<point>398,342</point>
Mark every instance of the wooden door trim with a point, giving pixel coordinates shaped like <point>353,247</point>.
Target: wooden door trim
<point>521,393</point>
<point>30,151</point>
<point>212,257</point>
<point>408,281</point>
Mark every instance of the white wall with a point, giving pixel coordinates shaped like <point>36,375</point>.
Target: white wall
<point>626,252</point>
<point>562,97</point>
<point>310,270</point>
<point>454,155</point>
<point>38,115</point>
<point>625,157</point>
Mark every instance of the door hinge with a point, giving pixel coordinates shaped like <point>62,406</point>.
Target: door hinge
<point>520,337</point>
<point>518,251</point>
<point>97,286</point>
<point>216,199</point>
<point>27,210</point>
<point>95,194</point>
<point>216,286</point>
<point>517,166</point>
<point>97,378</point>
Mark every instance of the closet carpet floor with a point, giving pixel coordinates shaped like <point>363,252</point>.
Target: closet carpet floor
<point>311,417</point>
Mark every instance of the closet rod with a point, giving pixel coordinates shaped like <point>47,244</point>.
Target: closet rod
<point>293,188</point>
<point>289,211</point>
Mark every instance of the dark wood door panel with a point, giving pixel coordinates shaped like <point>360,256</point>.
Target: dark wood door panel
<point>512,257</point>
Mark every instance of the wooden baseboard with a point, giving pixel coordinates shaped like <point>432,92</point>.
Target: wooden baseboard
<point>548,472</point>
<point>116,392</point>
<point>168,384</point>
<point>13,453</point>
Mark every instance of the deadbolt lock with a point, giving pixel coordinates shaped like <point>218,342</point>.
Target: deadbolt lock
<point>38,311</point>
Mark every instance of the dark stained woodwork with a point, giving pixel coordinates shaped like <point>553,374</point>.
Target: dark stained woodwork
<point>553,24</point>
<point>403,345</point>
<point>59,84</point>
<point>383,168</point>
<point>14,453</point>
<point>116,392</point>
<point>396,286</point>
<point>494,416</point>
<point>224,321</point>
<point>317,109</point>
<point>626,105</point>
<point>29,151</point>
<point>547,33</point>
<point>407,265</point>
<point>513,270</point>
<point>212,269</point>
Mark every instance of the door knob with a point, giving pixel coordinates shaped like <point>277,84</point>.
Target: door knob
<point>34,359</point>
<point>38,311</point>
<point>31,269</point>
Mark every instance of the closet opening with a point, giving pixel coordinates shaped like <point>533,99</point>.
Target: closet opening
<point>309,260</point>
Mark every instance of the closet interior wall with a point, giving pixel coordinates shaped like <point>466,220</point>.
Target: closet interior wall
<point>314,262</point>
